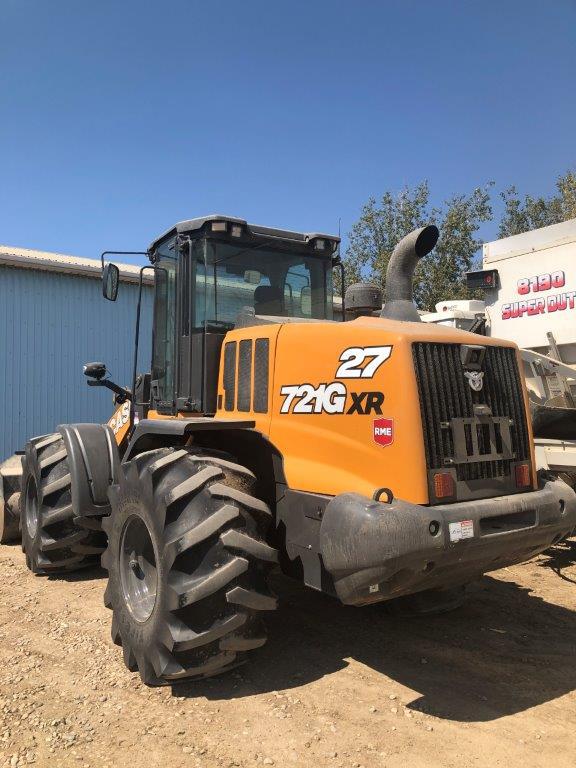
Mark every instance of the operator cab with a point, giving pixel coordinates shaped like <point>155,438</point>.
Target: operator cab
<point>215,273</point>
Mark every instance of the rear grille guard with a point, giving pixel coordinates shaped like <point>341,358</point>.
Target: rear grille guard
<point>481,439</point>
<point>480,435</point>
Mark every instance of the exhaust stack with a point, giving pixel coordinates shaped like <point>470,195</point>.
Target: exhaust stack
<point>398,293</point>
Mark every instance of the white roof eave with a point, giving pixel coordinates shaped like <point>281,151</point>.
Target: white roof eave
<point>25,258</point>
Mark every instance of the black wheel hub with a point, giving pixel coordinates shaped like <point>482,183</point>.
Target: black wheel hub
<point>31,508</point>
<point>138,571</point>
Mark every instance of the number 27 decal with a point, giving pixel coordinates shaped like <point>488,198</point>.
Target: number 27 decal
<point>362,362</point>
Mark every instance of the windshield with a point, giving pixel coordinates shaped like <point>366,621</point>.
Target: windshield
<point>264,279</point>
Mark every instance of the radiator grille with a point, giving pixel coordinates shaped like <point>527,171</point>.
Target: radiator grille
<point>445,394</point>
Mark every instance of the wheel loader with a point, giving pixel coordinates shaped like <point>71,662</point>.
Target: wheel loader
<point>371,458</point>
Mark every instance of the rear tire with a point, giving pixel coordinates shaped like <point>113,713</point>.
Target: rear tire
<point>53,539</point>
<point>187,562</point>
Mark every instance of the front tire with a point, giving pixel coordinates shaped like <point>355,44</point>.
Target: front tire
<point>187,562</point>
<point>53,539</point>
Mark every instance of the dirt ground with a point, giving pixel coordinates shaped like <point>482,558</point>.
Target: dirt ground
<point>491,684</point>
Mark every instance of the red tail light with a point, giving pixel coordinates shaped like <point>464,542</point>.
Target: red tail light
<point>443,485</point>
<point>522,472</point>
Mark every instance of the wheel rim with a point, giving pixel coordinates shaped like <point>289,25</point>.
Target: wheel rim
<point>138,571</point>
<point>31,507</point>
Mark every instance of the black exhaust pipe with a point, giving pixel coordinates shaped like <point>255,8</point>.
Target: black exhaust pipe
<point>398,292</point>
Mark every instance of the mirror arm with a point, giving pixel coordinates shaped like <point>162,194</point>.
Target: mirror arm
<point>125,394</point>
<point>121,253</point>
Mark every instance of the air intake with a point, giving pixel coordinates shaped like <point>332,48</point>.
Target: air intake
<point>400,273</point>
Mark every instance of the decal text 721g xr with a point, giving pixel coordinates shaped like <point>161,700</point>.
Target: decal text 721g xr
<point>329,398</point>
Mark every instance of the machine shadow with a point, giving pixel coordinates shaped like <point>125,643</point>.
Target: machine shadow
<point>560,557</point>
<point>90,573</point>
<point>505,651</point>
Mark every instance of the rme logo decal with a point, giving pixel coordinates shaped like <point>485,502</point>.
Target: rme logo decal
<point>333,397</point>
<point>384,431</point>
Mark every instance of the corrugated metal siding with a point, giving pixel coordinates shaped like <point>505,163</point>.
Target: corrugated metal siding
<point>50,325</point>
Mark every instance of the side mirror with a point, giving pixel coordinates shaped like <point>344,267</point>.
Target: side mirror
<point>110,281</point>
<point>95,370</point>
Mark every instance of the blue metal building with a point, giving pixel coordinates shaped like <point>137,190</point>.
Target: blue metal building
<point>53,319</point>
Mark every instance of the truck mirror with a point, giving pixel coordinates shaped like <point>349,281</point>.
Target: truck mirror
<point>110,281</point>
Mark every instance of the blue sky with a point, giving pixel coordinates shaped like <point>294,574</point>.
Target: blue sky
<point>119,118</point>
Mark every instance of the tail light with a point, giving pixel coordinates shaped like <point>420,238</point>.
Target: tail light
<point>443,485</point>
<point>522,473</point>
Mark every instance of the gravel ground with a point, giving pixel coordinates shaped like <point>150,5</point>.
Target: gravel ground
<point>491,684</point>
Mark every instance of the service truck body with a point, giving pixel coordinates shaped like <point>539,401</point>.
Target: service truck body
<point>529,282</point>
<point>535,294</point>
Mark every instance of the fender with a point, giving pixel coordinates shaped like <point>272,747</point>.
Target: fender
<point>157,433</point>
<point>94,464</point>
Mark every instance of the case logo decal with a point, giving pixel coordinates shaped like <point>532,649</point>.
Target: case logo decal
<point>120,418</point>
<point>384,431</point>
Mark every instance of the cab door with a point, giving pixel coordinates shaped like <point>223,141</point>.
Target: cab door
<point>164,329</point>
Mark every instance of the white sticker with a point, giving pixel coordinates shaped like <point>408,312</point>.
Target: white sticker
<point>462,530</point>
<point>354,365</point>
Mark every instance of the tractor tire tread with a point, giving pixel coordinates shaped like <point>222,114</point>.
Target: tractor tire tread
<point>210,537</point>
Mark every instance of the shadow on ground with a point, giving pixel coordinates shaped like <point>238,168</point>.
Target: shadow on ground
<point>559,558</point>
<point>505,651</point>
<point>90,573</point>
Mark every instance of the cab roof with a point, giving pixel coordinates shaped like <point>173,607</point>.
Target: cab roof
<point>193,225</point>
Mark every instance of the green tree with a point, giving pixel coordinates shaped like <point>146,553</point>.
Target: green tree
<point>534,212</point>
<point>382,224</point>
